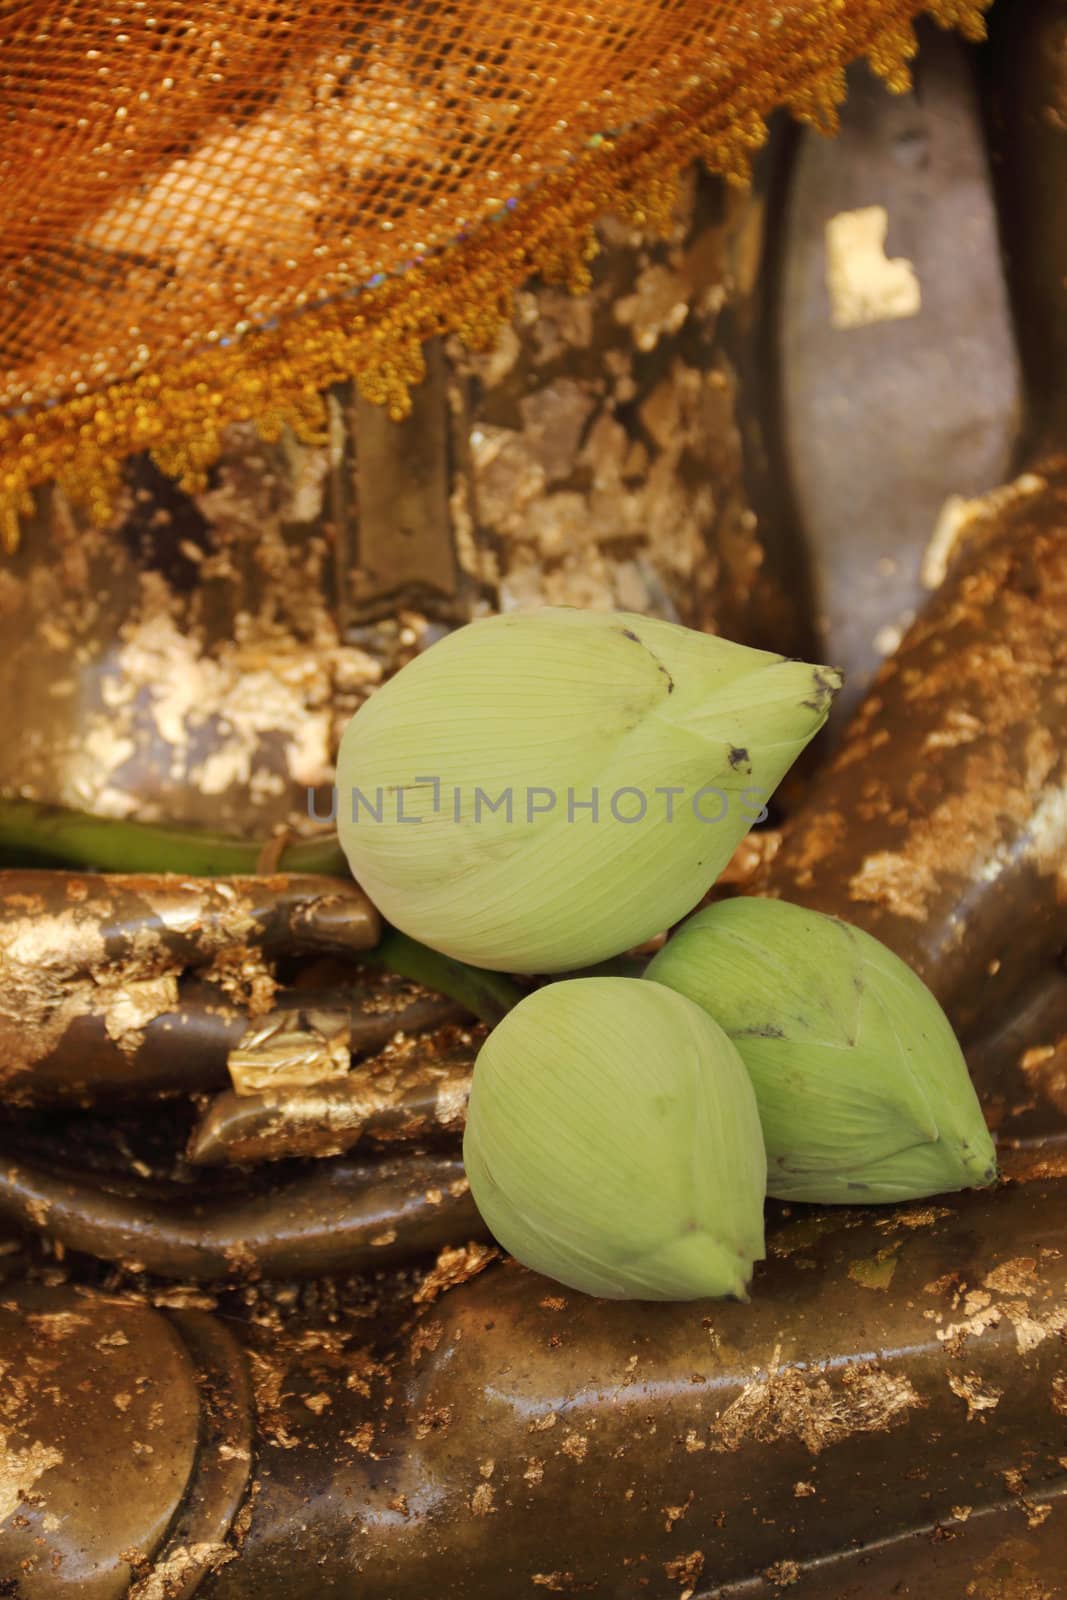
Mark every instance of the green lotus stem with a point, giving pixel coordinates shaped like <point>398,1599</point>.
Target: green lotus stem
<point>488,994</point>
<point>32,834</point>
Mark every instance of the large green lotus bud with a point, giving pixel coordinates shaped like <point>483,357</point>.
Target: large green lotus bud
<point>613,1142</point>
<point>862,1088</point>
<point>541,791</point>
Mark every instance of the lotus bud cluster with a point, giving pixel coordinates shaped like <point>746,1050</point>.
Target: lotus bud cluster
<point>863,1091</point>
<point>613,1143</point>
<point>538,792</point>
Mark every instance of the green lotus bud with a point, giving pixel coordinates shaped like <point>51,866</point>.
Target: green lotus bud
<point>613,1143</point>
<point>862,1088</point>
<point>541,791</point>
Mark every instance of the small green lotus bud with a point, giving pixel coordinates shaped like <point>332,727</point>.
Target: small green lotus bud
<point>613,1143</point>
<point>862,1088</point>
<point>540,791</point>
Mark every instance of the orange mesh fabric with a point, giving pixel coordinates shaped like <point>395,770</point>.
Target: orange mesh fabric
<point>212,210</point>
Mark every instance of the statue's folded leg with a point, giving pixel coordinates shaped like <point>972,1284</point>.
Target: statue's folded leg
<point>898,1378</point>
<point>871,1400</point>
<point>127,1446</point>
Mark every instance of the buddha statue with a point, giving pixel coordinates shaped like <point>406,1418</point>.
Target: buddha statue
<point>255,1339</point>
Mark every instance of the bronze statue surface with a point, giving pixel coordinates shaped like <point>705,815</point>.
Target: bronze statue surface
<point>255,1340</point>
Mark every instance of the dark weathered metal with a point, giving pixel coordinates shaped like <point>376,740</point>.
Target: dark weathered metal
<point>102,1417</point>
<point>108,982</point>
<point>893,1375</point>
<point>892,1401</point>
<point>187,1049</point>
<point>900,381</point>
<point>401,549</point>
<point>413,1092</point>
<point>219,1486</point>
<point>184,919</point>
<point>1019,1065</point>
<point>149,1430</point>
<point>336,1216</point>
<point>1027,103</point>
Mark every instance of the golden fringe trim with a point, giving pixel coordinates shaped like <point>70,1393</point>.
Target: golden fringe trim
<point>275,378</point>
